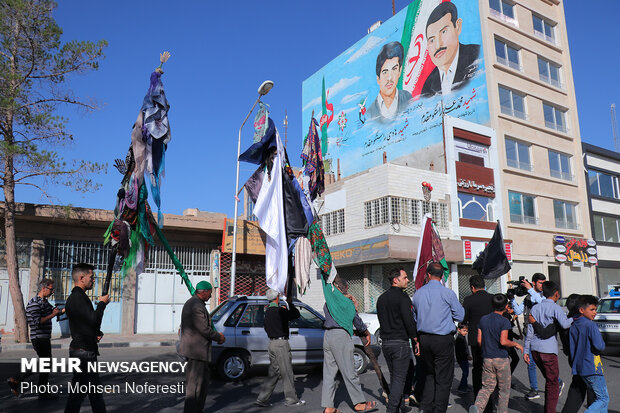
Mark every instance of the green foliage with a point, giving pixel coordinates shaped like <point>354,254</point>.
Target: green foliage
<point>34,70</point>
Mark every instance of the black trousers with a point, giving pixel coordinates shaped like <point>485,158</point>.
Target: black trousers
<point>409,381</point>
<point>43,347</point>
<point>74,401</point>
<point>397,354</point>
<point>476,369</point>
<point>437,354</point>
<point>514,358</point>
<point>577,393</point>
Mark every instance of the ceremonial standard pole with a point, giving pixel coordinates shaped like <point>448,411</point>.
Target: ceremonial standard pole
<point>264,88</point>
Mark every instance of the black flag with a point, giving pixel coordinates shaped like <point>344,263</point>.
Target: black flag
<point>492,262</point>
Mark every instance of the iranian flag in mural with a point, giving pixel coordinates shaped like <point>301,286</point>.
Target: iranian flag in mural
<point>417,64</point>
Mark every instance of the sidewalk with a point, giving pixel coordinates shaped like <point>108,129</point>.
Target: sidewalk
<point>109,340</point>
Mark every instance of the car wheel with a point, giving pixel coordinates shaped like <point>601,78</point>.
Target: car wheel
<point>233,365</point>
<point>378,336</point>
<point>360,360</point>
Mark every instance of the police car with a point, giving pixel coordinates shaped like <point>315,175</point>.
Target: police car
<point>608,318</point>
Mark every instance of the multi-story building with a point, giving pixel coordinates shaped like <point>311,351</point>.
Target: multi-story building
<point>602,170</point>
<point>505,148</point>
<point>534,113</point>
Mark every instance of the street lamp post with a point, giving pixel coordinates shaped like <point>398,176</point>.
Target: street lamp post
<point>264,88</point>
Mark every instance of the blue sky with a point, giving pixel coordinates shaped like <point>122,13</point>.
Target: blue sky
<point>220,55</point>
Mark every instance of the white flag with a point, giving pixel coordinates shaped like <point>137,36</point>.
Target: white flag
<point>269,210</point>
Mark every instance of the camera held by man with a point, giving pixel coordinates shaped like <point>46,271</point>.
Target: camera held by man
<point>519,288</point>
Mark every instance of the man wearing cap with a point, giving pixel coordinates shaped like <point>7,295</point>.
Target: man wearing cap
<point>276,326</point>
<point>197,332</point>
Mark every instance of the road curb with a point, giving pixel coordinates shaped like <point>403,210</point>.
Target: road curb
<point>65,346</point>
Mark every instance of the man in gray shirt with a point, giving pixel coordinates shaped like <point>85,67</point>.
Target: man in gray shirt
<point>338,356</point>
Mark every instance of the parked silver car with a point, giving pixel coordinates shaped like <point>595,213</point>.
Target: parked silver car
<point>241,319</point>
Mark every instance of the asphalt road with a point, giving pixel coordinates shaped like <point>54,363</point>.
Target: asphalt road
<point>239,396</point>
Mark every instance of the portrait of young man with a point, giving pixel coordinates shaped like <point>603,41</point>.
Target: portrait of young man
<point>390,101</point>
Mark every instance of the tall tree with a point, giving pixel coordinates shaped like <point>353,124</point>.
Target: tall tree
<point>34,66</point>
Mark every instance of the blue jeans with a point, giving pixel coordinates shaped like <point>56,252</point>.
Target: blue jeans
<point>465,368</point>
<point>599,387</point>
<point>531,372</point>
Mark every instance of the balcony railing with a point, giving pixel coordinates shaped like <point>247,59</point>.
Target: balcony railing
<point>526,166</point>
<point>512,112</point>
<point>543,36</point>
<point>552,82</point>
<point>523,219</point>
<point>553,125</point>
<point>510,64</point>
<point>567,176</point>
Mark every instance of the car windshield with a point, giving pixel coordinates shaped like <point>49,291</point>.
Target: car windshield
<point>220,310</point>
<point>609,306</point>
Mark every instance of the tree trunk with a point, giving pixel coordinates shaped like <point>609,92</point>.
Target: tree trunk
<point>21,326</point>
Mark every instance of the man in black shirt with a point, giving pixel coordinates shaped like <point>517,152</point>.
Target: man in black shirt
<point>476,305</point>
<point>85,324</point>
<point>397,330</point>
<point>276,326</point>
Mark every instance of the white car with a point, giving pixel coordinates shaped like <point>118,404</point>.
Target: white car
<point>608,320</point>
<point>372,322</point>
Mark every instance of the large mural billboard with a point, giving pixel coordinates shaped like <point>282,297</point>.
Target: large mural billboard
<point>386,94</point>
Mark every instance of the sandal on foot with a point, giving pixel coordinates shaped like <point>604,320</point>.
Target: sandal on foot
<point>367,407</point>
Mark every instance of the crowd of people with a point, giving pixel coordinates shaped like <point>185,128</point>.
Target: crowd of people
<point>483,326</point>
<point>422,337</point>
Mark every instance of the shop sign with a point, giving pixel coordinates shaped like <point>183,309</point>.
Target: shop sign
<point>250,238</point>
<point>467,245</point>
<point>366,250</point>
<point>474,248</point>
<point>215,267</point>
<point>576,251</point>
<point>471,184</point>
<point>508,249</point>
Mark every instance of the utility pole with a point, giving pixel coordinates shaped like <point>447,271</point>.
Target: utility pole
<point>614,128</point>
<point>285,129</point>
<point>393,8</point>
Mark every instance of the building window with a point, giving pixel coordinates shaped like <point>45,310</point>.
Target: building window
<point>555,118</point>
<point>602,184</point>
<point>565,216</point>
<point>333,222</point>
<point>503,10</point>
<point>606,229</point>
<point>559,165</point>
<point>522,209</point>
<point>518,154</point>
<point>544,29</point>
<point>403,211</point>
<point>549,72</point>
<point>507,55</point>
<point>511,103</point>
<point>475,207</point>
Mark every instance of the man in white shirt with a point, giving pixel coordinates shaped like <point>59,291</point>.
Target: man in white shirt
<point>455,62</point>
<point>390,101</point>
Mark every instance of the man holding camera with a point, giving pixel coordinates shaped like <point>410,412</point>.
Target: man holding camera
<point>39,313</point>
<point>534,296</point>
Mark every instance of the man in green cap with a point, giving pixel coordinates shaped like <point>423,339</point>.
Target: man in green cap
<point>197,333</point>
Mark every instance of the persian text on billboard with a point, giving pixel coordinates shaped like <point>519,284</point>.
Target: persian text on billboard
<point>387,92</point>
